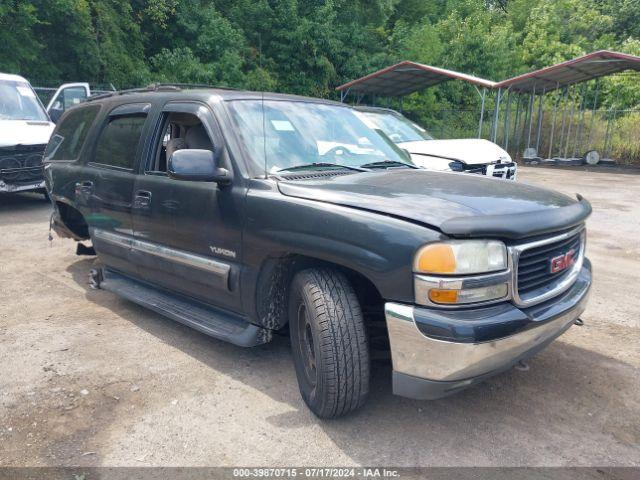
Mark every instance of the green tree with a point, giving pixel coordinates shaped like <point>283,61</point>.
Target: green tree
<point>19,50</point>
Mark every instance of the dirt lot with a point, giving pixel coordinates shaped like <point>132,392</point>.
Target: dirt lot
<point>89,379</point>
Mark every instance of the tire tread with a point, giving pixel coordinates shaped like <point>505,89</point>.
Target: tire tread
<point>343,340</point>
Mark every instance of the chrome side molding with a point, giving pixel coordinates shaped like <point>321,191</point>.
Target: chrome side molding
<point>174,255</point>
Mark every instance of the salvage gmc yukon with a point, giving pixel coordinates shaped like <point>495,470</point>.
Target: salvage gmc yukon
<point>243,214</point>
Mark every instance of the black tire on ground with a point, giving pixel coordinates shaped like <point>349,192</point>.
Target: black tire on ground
<point>329,342</point>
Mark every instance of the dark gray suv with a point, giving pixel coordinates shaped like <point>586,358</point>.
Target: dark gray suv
<point>242,214</point>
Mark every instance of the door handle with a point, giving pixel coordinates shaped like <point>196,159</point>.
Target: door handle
<point>142,199</point>
<point>84,188</point>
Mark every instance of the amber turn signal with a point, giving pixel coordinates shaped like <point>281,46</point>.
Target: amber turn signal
<point>443,296</point>
<point>436,258</point>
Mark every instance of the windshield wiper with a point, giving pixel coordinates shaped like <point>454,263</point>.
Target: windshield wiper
<point>387,164</point>
<point>313,166</point>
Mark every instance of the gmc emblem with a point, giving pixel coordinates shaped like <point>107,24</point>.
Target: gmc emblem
<point>562,262</point>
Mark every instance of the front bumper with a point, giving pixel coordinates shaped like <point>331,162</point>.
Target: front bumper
<point>22,187</point>
<point>436,353</point>
<point>506,171</point>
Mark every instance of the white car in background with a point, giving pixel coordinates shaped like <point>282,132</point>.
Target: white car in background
<point>25,128</point>
<point>468,155</point>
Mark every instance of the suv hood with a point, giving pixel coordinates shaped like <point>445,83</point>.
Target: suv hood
<point>472,151</point>
<point>435,198</point>
<point>24,132</point>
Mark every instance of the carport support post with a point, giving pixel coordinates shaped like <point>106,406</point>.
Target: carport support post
<point>482,96</point>
<point>343,94</point>
<point>540,115</point>
<point>580,127</point>
<point>593,112</point>
<point>564,117</point>
<point>553,121</point>
<point>506,120</point>
<point>607,135</point>
<point>532,99</point>
<point>496,113</point>
<point>516,125</point>
<point>573,109</point>
<point>525,121</point>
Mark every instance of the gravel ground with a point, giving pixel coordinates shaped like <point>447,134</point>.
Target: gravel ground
<point>87,378</point>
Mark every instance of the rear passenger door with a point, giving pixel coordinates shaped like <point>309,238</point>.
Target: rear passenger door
<point>108,182</point>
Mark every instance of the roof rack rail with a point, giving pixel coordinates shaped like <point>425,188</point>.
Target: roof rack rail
<point>190,85</point>
<point>155,87</point>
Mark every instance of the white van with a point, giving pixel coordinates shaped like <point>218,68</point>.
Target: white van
<point>25,128</point>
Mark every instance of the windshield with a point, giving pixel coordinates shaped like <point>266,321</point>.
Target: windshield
<point>301,134</point>
<point>18,101</point>
<point>398,128</point>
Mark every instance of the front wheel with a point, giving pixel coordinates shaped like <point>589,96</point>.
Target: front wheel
<point>329,342</point>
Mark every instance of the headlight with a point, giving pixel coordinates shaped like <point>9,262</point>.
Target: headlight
<point>456,166</point>
<point>461,272</point>
<point>461,257</point>
<point>506,158</point>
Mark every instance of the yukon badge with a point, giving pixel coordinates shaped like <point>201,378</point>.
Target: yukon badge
<point>562,262</point>
<point>222,251</point>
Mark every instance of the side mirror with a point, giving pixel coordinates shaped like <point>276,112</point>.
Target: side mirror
<point>197,166</point>
<point>55,114</point>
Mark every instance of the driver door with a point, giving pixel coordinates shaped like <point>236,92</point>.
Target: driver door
<point>188,232</point>
<point>67,96</point>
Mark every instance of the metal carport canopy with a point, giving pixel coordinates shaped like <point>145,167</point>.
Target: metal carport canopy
<point>581,69</point>
<point>407,77</point>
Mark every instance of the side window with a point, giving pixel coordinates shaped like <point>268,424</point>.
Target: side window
<point>67,140</point>
<point>118,142</point>
<point>178,131</point>
<point>73,96</point>
<point>65,99</point>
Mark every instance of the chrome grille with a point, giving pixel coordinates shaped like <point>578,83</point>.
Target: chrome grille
<point>21,164</point>
<point>497,170</point>
<point>534,264</point>
<point>534,279</point>
<point>504,170</point>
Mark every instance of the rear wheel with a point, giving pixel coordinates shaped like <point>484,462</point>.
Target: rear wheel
<point>329,342</point>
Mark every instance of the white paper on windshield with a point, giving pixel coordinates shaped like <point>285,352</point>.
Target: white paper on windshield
<point>282,125</point>
<point>25,91</point>
<point>419,127</point>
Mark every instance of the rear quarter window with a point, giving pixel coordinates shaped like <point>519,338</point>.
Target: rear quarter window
<point>68,138</point>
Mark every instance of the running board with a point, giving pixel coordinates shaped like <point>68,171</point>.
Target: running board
<point>213,322</point>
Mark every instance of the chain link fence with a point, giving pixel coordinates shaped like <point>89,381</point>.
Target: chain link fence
<point>46,90</point>
<point>614,134</point>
